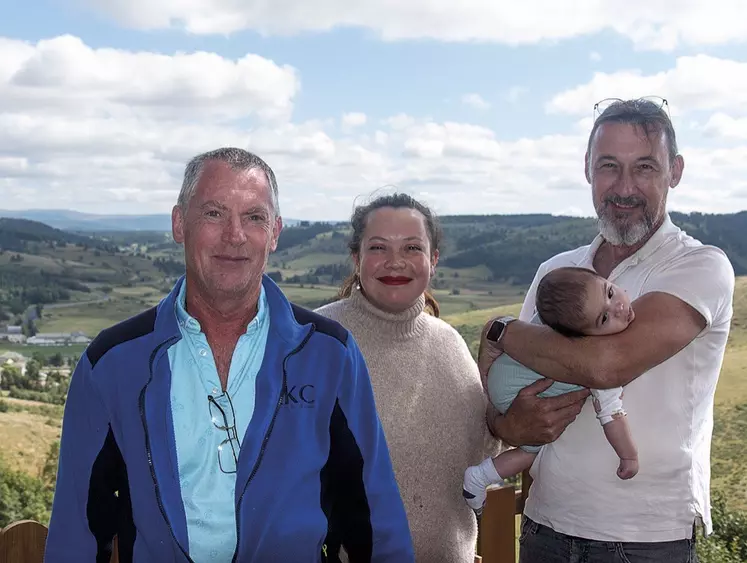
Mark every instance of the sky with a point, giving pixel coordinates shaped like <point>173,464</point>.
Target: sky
<point>473,107</point>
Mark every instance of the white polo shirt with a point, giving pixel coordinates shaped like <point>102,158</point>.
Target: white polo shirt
<point>670,410</point>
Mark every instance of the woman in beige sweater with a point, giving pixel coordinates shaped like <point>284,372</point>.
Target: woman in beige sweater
<point>427,386</point>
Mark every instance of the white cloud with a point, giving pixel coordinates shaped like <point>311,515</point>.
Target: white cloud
<point>466,168</point>
<point>399,122</point>
<point>85,127</point>
<point>10,166</point>
<point>381,138</point>
<point>475,101</point>
<point>354,119</point>
<point>700,82</point>
<point>76,132</point>
<point>721,125</point>
<point>650,25</point>
<point>63,75</point>
<point>595,57</point>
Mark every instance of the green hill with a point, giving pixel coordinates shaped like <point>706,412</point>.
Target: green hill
<point>19,234</point>
<point>504,249</point>
<point>41,265</point>
<point>486,261</point>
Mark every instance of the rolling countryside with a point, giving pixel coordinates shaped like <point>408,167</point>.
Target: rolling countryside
<point>55,282</point>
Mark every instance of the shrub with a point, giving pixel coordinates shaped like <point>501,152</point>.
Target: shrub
<point>54,398</point>
<point>23,497</point>
<point>728,543</point>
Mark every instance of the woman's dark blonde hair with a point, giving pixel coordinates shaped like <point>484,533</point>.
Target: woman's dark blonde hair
<point>358,223</point>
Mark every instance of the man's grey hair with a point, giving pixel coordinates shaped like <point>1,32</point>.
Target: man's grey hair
<point>649,116</point>
<point>239,160</point>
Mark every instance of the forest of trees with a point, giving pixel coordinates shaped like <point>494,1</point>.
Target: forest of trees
<point>510,246</point>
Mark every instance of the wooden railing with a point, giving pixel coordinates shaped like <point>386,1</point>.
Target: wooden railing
<point>23,542</point>
<point>497,533</point>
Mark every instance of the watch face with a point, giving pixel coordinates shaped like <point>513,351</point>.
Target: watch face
<point>495,331</point>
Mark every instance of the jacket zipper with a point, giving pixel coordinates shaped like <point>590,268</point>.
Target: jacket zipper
<point>147,445</point>
<point>266,438</point>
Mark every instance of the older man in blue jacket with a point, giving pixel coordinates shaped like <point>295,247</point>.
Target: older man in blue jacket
<point>225,424</point>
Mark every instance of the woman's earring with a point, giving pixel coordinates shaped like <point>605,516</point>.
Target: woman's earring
<point>357,282</point>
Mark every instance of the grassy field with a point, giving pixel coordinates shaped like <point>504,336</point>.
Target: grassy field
<point>139,291</point>
<point>309,294</point>
<point>26,432</point>
<point>311,261</point>
<point>28,351</point>
<point>91,318</point>
<point>32,261</point>
<point>728,455</point>
<point>470,323</point>
<point>126,301</point>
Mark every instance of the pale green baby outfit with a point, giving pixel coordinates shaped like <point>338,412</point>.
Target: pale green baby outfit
<point>507,377</point>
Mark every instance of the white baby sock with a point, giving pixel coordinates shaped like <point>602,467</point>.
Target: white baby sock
<point>476,481</point>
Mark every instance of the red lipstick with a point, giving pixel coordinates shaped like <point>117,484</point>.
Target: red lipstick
<point>395,280</point>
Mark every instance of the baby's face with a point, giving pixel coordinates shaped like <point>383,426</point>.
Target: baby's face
<point>608,308</point>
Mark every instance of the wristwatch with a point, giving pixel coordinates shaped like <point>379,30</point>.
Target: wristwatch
<point>497,329</point>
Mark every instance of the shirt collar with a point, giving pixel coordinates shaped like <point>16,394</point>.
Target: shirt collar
<point>192,325</point>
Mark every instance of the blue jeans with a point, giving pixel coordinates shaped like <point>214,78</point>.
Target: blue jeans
<point>540,544</point>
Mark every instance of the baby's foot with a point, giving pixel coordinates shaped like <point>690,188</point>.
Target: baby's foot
<point>473,490</point>
<point>628,468</point>
<point>476,481</point>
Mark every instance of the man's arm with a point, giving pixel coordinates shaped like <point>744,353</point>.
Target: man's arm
<point>369,517</point>
<point>681,300</point>
<point>84,512</point>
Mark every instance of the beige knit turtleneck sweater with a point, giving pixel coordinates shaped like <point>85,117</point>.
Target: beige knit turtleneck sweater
<point>432,407</point>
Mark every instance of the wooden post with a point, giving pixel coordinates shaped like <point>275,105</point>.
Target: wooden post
<point>497,533</point>
<point>498,526</point>
<point>23,542</point>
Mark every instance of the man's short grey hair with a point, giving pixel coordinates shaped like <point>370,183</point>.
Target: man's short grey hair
<point>239,160</point>
<point>649,116</point>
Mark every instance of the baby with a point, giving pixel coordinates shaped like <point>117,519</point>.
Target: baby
<point>575,302</point>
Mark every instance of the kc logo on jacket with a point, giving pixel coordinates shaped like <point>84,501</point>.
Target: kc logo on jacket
<point>300,397</point>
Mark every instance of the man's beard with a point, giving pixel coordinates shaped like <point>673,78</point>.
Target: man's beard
<point>621,229</point>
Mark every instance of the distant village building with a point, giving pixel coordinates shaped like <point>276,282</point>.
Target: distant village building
<point>12,333</point>
<point>14,359</point>
<point>58,339</point>
<point>16,338</point>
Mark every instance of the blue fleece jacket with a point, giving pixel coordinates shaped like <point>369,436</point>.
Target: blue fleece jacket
<point>314,470</point>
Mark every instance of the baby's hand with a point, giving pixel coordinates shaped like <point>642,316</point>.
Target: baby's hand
<point>628,468</point>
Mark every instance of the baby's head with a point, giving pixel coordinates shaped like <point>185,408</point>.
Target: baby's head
<point>578,301</point>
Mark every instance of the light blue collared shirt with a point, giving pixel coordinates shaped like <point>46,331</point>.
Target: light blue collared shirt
<point>207,492</point>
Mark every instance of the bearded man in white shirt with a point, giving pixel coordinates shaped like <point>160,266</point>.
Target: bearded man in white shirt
<point>668,359</point>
